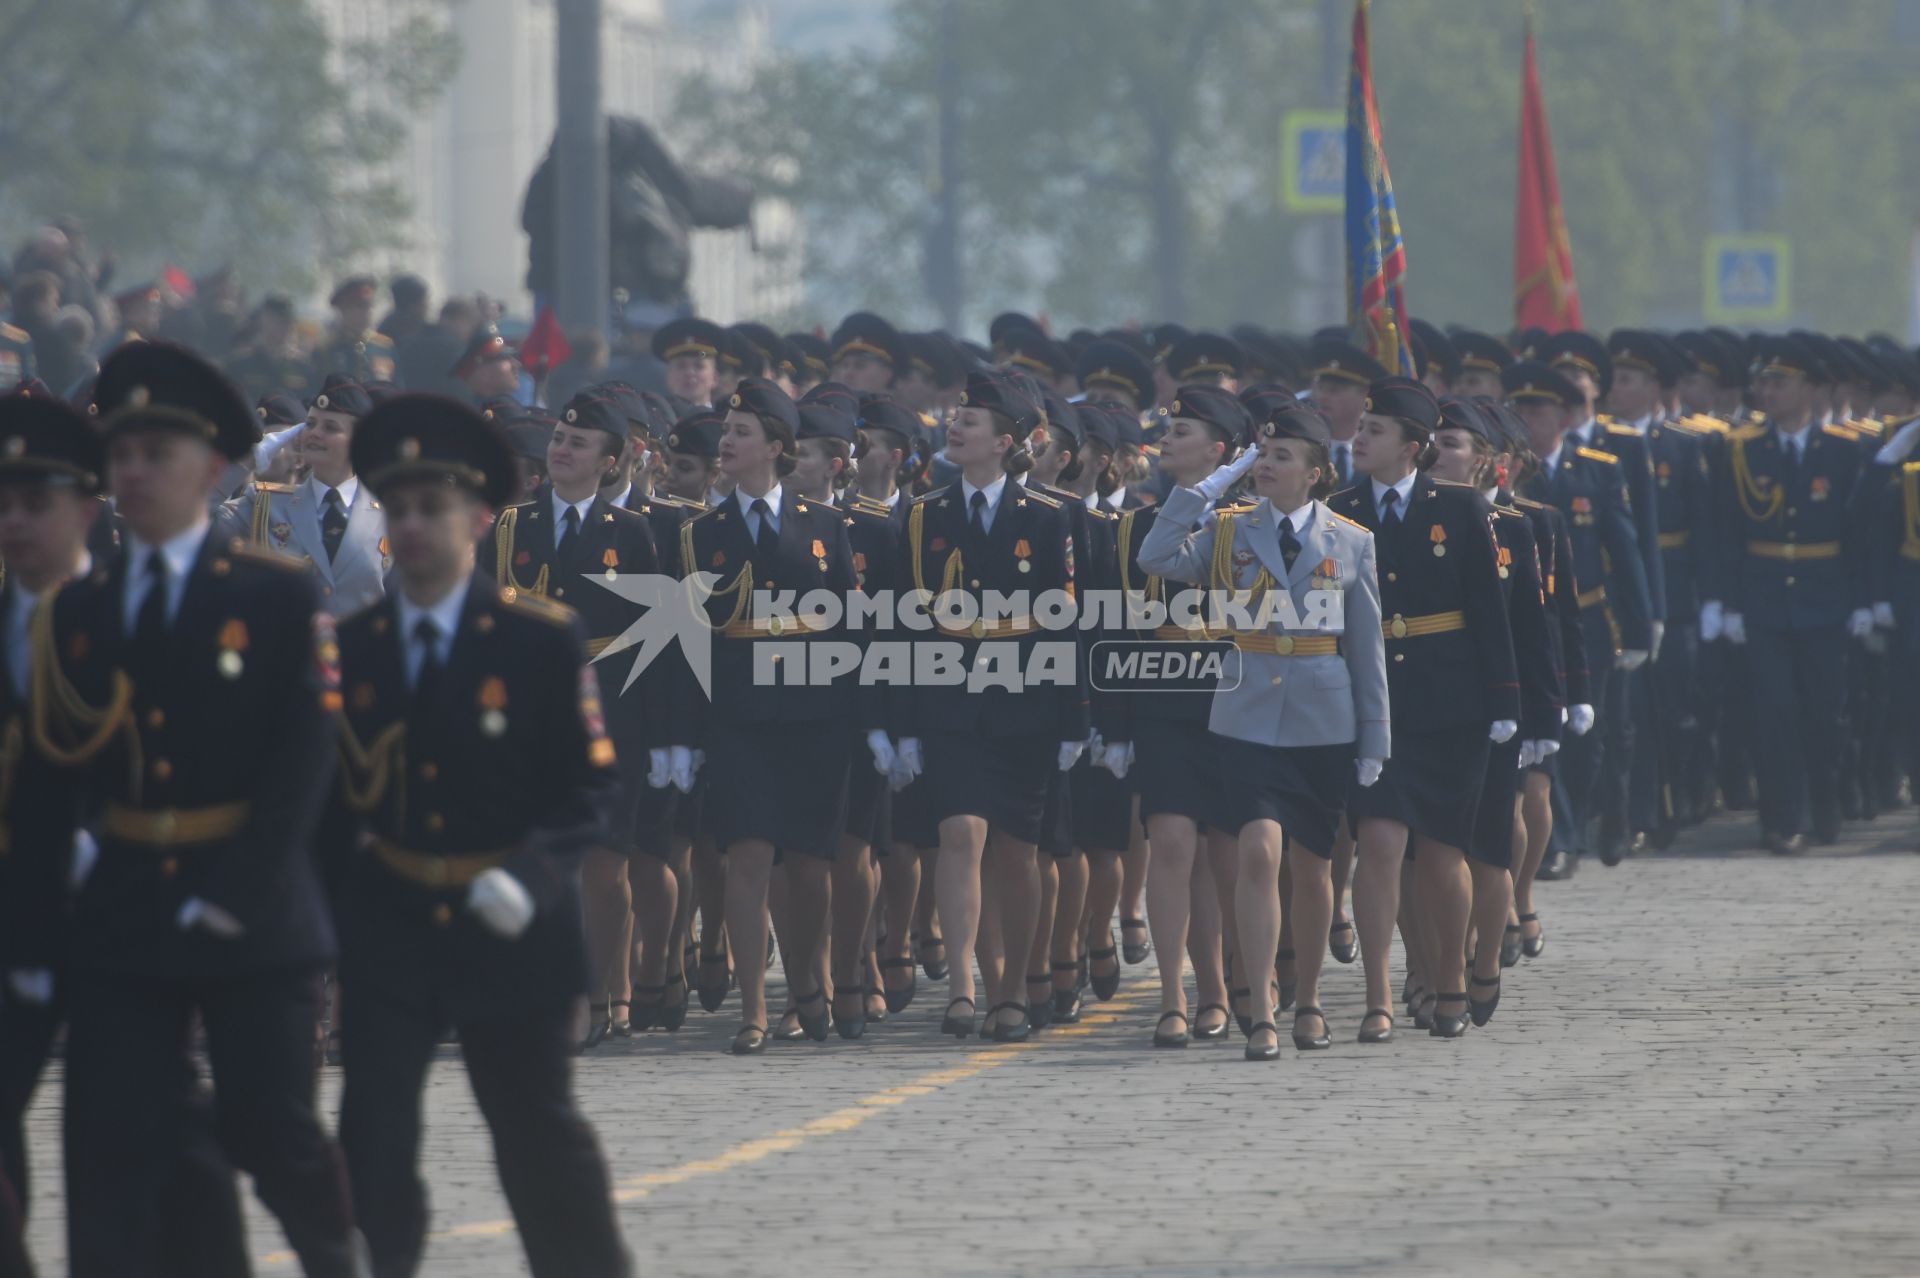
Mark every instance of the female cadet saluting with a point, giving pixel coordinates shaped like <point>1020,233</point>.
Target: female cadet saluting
<point>777,756</point>
<point>1450,665</point>
<point>988,754</point>
<point>1312,691</point>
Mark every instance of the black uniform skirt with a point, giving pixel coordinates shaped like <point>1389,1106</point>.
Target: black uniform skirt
<point>1003,779</point>
<point>1056,819</point>
<point>867,795</point>
<point>642,817</point>
<point>1304,788</point>
<point>785,783</point>
<point>1102,808</point>
<point>1493,823</point>
<point>1176,770</point>
<point>910,820</point>
<point>1431,785</point>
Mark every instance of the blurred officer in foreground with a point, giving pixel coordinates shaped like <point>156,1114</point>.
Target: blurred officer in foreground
<point>187,685</point>
<point>459,903</point>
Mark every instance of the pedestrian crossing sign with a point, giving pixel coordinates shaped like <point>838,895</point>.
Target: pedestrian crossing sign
<point>1313,161</point>
<point>1748,279</point>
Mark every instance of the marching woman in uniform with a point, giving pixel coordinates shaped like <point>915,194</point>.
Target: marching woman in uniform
<point>1455,695</point>
<point>1310,708</point>
<point>776,756</point>
<point>988,754</point>
<point>1466,453</point>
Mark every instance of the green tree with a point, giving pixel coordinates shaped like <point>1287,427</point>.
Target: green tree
<point>210,131</point>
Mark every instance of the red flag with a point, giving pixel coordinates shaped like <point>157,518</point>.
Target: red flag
<point>1545,294</point>
<point>180,282</point>
<point>1376,255</point>
<point>545,346</point>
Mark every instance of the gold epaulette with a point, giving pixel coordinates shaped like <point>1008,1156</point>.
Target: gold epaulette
<point>1042,498</point>
<point>1848,433</point>
<point>1101,512</point>
<point>1751,431</point>
<point>1605,419</point>
<point>14,333</point>
<point>931,493</point>
<point>264,486</point>
<point>1620,430</point>
<point>1448,483</point>
<point>1508,511</point>
<point>677,503</point>
<point>1345,520</point>
<point>871,505</point>
<point>1594,454</point>
<point>1911,467</point>
<point>241,548</point>
<point>538,607</point>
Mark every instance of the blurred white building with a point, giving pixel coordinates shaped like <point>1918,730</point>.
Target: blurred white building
<point>467,161</point>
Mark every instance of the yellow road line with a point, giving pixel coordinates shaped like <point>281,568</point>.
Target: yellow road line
<point>836,1123</point>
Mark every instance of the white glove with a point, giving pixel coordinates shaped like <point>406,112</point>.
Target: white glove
<point>1070,752</point>
<point>1580,720</point>
<point>1736,628</point>
<point>195,912</point>
<point>1502,731</point>
<point>31,985</point>
<point>1860,623</point>
<point>500,903</point>
<point>1548,748</point>
<point>681,768</point>
<point>1116,758</point>
<point>1215,486</point>
<point>907,763</point>
<point>1659,633</point>
<point>1630,659</point>
<point>1369,770</point>
<point>1895,450</point>
<point>1095,744</point>
<point>659,769</point>
<point>1530,753</point>
<point>882,747</point>
<point>1883,616</point>
<point>1712,621</point>
<point>85,853</point>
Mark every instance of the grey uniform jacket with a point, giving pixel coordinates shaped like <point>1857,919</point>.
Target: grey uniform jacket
<point>287,519</point>
<point>1293,700</point>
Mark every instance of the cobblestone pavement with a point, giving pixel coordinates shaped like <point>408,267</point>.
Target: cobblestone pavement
<point>1701,1075</point>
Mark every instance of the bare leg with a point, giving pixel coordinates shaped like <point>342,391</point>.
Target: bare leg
<point>927,923</point>
<point>1446,901</point>
<point>1068,912</point>
<point>1170,904</point>
<point>1013,872</point>
<point>1133,881</point>
<point>957,881</point>
<point>1536,812</point>
<point>1256,907</point>
<point>1223,857</point>
<point>749,870</point>
<point>1106,880</point>
<point>1284,970</point>
<point>1492,895</point>
<point>853,890</point>
<point>900,889</point>
<point>1379,849</point>
<point>809,905</point>
<point>1205,939</point>
<point>1312,909</point>
<point>656,903</point>
<point>1050,908</point>
<point>605,903</point>
<point>1343,852</point>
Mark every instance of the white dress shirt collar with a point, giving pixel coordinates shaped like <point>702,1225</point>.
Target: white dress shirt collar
<point>992,490</point>
<point>1404,488</point>
<point>1300,518</point>
<point>445,616</point>
<point>771,497</point>
<point>560,505</point>
<point>348,488</point>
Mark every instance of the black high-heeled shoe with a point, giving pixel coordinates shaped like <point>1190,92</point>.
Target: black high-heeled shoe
<point>1445,1026</point>
<point>714,993</point>
<point>1212,1033</point>
<point>1040,1010</point>
<point>1483,1012</point>
<point>1000,1031</point>
<point>1510,945</point>
<point>1104,987</point>
<point>958,1026</point>
<point>1135,954</point>
<point>620,1026</point>
<point>851,1027</point>
<point>1289,988</point>
<point>1163,1039</point>
<point>1066,1003</point>
<point>897,1000</point>
<point>1532,946</point>
<point>674,1015</point>
<point>936,968</point>
<point>816,1026</point>
<point>1264,1053</point>
<point>1343,951</point>
<point>599,1025</point>
<point>743,1045</point>
<point>1310,1042</point>
<point>1377,1035</point>
<point>1244,1020</point>
<point>649,1002</point>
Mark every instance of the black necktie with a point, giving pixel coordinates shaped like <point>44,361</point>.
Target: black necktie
<point>569,533</point>
<point>767,538</point>
<point>427,681</point>
<point>150,623</point>
<point>1289,544</point>
<point>1790,451</point>
<point>977,515</point>
<point>333,524</point>
<point>1390,508</point>
<point>1340,464</point>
